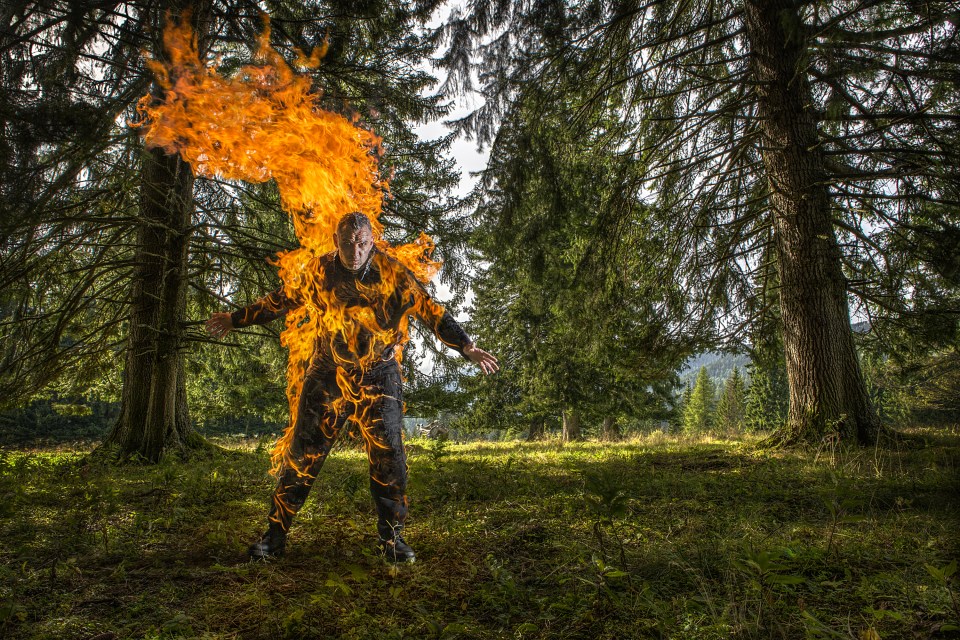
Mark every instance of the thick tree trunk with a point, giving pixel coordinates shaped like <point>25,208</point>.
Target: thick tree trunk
<point>571,426</point>
<point>537,429</point>
<point>827,390</point>
<point>610,431</point>
<point>153,413</point>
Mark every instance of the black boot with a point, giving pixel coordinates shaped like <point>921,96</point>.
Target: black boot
<point>396,550</point>
<point>270,544</point>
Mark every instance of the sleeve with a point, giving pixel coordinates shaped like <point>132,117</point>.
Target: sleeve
<point>451,333</point>
<point>437,318</point>
<point>270,307</point>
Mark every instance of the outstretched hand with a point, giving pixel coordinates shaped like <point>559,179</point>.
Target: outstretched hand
<point>220,324</point>
<point>487,363</point>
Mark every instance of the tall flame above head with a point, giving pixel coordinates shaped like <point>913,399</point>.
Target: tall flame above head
<point>263,123</point>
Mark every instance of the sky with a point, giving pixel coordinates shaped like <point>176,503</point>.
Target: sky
<point>464,152</point>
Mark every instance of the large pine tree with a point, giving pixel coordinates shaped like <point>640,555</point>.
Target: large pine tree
<point>557,305</point>
<point>819,137</point>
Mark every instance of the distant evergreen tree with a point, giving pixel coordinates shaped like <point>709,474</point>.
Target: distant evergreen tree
<point>927,387</point>
<point>680,406</point>
<point>891,394</point>
<point>698,414</point>
<point>767,397</point>
<point>731,404</point>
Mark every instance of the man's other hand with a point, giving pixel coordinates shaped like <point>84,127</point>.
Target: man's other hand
<point>219,325</point>
<point>487,363</point>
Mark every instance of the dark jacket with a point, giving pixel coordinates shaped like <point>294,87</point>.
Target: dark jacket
<point>360,318</point>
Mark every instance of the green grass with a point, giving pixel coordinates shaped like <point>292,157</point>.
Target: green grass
<point>649,538</point>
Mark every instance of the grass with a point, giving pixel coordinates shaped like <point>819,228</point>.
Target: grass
<point>651,538</point>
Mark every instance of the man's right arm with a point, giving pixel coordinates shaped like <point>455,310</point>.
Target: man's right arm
<point>266,309</point>
<point>270,307</point>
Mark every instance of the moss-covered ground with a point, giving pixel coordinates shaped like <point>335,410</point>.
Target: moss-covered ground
<point>650,538</point>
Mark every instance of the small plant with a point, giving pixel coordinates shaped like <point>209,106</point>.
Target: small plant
<point>607,502</point>
<point>945,577</point>
<point>840,501</point>
<point>767,571</point>
<point>768,567</point>
<point>608,577</point>
<point>437,449</point>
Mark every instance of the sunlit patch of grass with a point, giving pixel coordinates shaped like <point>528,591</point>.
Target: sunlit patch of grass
<point>652,537</point>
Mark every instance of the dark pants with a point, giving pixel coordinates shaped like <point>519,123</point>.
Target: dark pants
<point>323,410</point>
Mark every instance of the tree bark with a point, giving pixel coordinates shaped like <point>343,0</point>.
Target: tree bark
<point>610,431</point>
<point>153,412</point>
<point>571,426</point>
<point>827,391</point>
<point>537,429</point>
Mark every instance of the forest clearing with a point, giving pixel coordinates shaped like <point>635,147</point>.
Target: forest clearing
<point>656,537</point>
<point>645,313</point>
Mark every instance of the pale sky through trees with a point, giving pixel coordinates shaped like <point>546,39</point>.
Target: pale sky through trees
<point>464,152</point>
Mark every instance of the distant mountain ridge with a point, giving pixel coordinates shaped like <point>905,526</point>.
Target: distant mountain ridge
<point>719,366</point>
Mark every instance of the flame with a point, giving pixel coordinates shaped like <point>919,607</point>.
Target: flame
<point>263,123</point>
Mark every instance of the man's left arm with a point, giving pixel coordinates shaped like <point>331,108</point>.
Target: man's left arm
<point>448,330</point>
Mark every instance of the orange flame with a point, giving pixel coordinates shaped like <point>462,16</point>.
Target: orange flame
<point>262,123</point>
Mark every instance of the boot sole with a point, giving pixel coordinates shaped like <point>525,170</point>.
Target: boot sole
<point>399,560</point>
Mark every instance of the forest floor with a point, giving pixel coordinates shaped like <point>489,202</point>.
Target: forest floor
<point>650,538</point>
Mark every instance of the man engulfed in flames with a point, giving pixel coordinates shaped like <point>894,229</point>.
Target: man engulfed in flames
<point>363,299</point>
<point>347,309</point>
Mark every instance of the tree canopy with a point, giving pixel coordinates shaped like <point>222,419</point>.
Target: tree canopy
<point>73,186</point>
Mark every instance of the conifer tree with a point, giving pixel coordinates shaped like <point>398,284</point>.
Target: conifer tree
<point>112,252</point>
<point>767,396</point>
<point>698,414</point>
<point>680,407</point>
<point>731,404</point>
<point>556,305</point>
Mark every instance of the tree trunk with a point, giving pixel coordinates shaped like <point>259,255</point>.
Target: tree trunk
<point>537,429</point>
<point>827,390</point>
<point>153,412</point>
<point>571,426</point>
<point>610,431</point>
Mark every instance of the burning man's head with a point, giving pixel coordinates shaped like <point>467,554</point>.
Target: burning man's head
<point>354,240</point>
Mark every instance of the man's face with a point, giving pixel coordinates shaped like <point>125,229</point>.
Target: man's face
<point>353,247</point>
